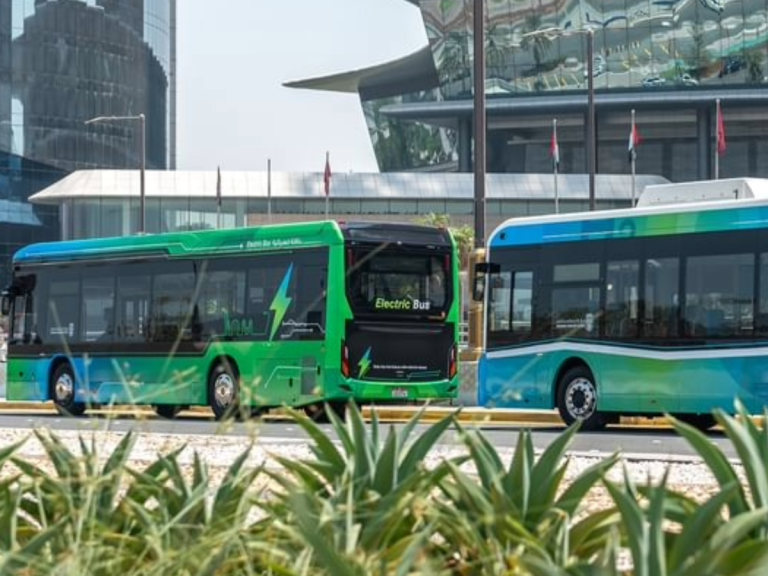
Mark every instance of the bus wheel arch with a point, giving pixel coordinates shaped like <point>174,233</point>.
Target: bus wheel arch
<point>62,384</point>
<point>576,396</point>
<point>224,388</point>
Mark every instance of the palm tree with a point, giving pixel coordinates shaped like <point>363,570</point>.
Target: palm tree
<point>463,235</point>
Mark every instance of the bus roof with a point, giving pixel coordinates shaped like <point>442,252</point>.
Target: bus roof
<point>229,241</point>
<point>704,191</point>
<point>749,211</point>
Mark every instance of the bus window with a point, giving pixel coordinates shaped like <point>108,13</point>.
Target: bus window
<point>222,303</point>
<point>521,302</point>
<point>662,278</point>
<point>719,295</point>
<point>98,321</point>
<point>500,301</point>
<point>621,298</point>
<point>63,311</point>
<point>172,299</point>
<point>576,300</point>
<point>132,307</point>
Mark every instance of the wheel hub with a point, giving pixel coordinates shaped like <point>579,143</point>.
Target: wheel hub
<point>581,399</point>
<point>224,390</point>
<point>64,388</point>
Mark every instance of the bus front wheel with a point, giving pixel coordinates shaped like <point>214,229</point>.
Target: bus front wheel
<point>63,392</point>
<point>577,399</point>
<point>224,391</point>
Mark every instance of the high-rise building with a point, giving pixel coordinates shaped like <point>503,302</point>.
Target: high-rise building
<point>63,62</point>
<point>668,60</point>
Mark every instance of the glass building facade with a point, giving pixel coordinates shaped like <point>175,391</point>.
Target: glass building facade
<point>668,60</point>
<point>63,62</point>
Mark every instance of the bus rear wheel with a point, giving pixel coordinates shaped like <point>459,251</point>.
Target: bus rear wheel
<point>168,411</point>
<point>701,422</point>
<point>577,399</point>
<point>63,392</point>
<point>224,391</point>
<point>319,412</point>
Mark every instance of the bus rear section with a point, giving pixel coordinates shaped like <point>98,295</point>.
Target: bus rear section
<point>401,341</point>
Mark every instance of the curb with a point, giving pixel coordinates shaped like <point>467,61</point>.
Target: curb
<point>472,414</point>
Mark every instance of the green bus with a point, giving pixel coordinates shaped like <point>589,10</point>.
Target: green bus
<point>653,310</point>
<point>309,314</point>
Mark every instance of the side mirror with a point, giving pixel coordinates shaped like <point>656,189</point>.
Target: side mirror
<point>478,284</point>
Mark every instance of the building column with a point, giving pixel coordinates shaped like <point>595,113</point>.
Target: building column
<point>465,145</point>
<point>703,132</point>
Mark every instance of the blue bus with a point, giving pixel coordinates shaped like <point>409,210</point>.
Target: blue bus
<point>653,310</point>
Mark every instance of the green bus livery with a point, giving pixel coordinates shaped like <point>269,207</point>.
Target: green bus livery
<point>653,310</point>
<point>308,314</point>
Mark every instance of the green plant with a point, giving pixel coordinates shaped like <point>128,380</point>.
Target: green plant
<point>86,519</point>
<point>522,515</point>
<point>751,445</point>
<point>669,534</point>
<point>359,506</point>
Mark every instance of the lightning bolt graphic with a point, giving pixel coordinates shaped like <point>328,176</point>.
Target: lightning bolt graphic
<point>365,363</point>
<point>280,302</point>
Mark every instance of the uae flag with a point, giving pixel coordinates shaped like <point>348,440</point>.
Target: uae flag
<point>634,142</point>
<point>554,148</point>
<point>327,175</point>
<point>721,145</point>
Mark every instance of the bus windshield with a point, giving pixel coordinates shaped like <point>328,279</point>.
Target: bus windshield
<point>393,281</point>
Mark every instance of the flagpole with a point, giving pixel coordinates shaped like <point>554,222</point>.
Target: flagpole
<point>555,162</point>
<point>717,139</point>
<point>634,154</point>
<point>218,198</point>
<point>269,190</point>
<point>327,181</point>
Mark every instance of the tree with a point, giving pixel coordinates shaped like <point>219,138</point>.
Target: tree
<point>464,235</point>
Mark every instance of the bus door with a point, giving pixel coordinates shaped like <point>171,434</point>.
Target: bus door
<point>514,375</point>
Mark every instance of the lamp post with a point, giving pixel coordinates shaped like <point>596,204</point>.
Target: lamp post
<point>591,127</point>
<point>143,156</point>
<point>479,121</point>
<point>591,124</point>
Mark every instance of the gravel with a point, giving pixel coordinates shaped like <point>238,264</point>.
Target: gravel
<point>685,474</point>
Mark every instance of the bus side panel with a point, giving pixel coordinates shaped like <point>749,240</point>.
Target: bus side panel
<point>641,381</point>
<point>26,380</point>
<point>630,384</point>
<point>273,374</point>
<point>513,381</point>
<point>177,380</point>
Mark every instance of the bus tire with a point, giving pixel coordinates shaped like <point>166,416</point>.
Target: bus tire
<point>319,412</point>
<point>63,391</point>
<point>703,422</point>
<point>168,411</point>
<point>224,391</point>
<point>577,399</point>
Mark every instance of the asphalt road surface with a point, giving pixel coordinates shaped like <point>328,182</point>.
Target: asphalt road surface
<point>641,443</point>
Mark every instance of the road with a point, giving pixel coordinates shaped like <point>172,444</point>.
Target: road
<point>633,442</point>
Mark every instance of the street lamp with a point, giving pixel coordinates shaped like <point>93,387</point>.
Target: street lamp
<point>591,127</point>
<point>480,121</point>
<point>143,155</point>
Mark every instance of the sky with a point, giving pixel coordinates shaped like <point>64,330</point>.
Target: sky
<point>232,60</point>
